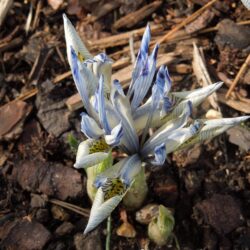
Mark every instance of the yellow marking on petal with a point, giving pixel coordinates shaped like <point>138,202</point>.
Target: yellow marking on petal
<point>113,187</point>
<point>98,146</point>
<point>80,57</point>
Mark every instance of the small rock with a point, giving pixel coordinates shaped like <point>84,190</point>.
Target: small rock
<point>38,200</point>
<point>89,242</point>
<point>222,212</point>
<point>59,213</point>
<point>50,179</point>
<point>26,235</point>
<point>42,215</point>
<point>240,136</point>
<point>147,213</point>
<point>64,228</point>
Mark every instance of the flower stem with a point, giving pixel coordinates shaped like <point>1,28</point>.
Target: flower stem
<point>107,246</point>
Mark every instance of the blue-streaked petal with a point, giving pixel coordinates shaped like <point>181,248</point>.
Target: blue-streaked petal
<point>116,134</point>
<point>79,81</point>
<point>166,130</point>
<point>130,168</point>
<point>101,209</point>
<point>123,109</point>
<point>200,92</point>
<point>89,78</point>
<point>89,127</point>
<point>213,128</point>
<point>144,81</point>
<point>141,58</point>
<point>73,40</point>
<point>163,81</point>
<point>101,106</point>
<point>160,155</point>
<point>180,136</point>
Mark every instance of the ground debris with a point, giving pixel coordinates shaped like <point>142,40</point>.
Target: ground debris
<point>201,22</point>
<point>52,112</point>
<point>90,242</point>
<point>25,235</point>
<point>12,117</point>
<point>240,136</point>
<point>222,212</point>
<point>50,179</point>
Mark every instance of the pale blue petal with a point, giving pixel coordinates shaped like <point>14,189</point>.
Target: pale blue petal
<point>144,81</point>
<point>116,134</point>
<point>141,59</point>
<point>246,3</point>
<point>101,106</point>
<point>89,127</point>
<point>123,109</point>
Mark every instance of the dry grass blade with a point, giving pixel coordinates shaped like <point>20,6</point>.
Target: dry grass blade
<point>72,207</point>
<point>202,74</point>
<point>238,76</point>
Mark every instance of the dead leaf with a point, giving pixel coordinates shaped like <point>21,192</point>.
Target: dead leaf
<point>126,229</point>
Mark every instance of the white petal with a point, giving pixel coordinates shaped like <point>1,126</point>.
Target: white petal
<point>101,210</point>
<point>73,39</point>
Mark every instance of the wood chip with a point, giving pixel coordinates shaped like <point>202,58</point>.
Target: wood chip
<point>133,18</point>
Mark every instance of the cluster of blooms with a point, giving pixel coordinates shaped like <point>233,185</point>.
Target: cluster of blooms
<point>117,120</point>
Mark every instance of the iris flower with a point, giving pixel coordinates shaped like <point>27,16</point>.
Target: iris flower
<point>115,120</point>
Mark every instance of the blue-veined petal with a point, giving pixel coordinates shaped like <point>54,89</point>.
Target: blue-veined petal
<point>160,155</point>
<point>84,157</point>
<point>123,109</point>
<point>200,93</point>
<point>89,78</point>
<point>214,128</point>
<point>166,130</point>
<point>163,81</point>
<point>209,124</point>
<point>73,40</point>
<point>178,137</point>
<point>89,127</point>
<point>141,58</point>
<point>79,81</point>
<point>144,81</point>
<point>116,134</point>
<point>101,106</point>
<point>130,168</point>
<point>101,209</point>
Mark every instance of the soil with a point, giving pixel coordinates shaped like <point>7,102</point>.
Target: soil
<point>207,187</point>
